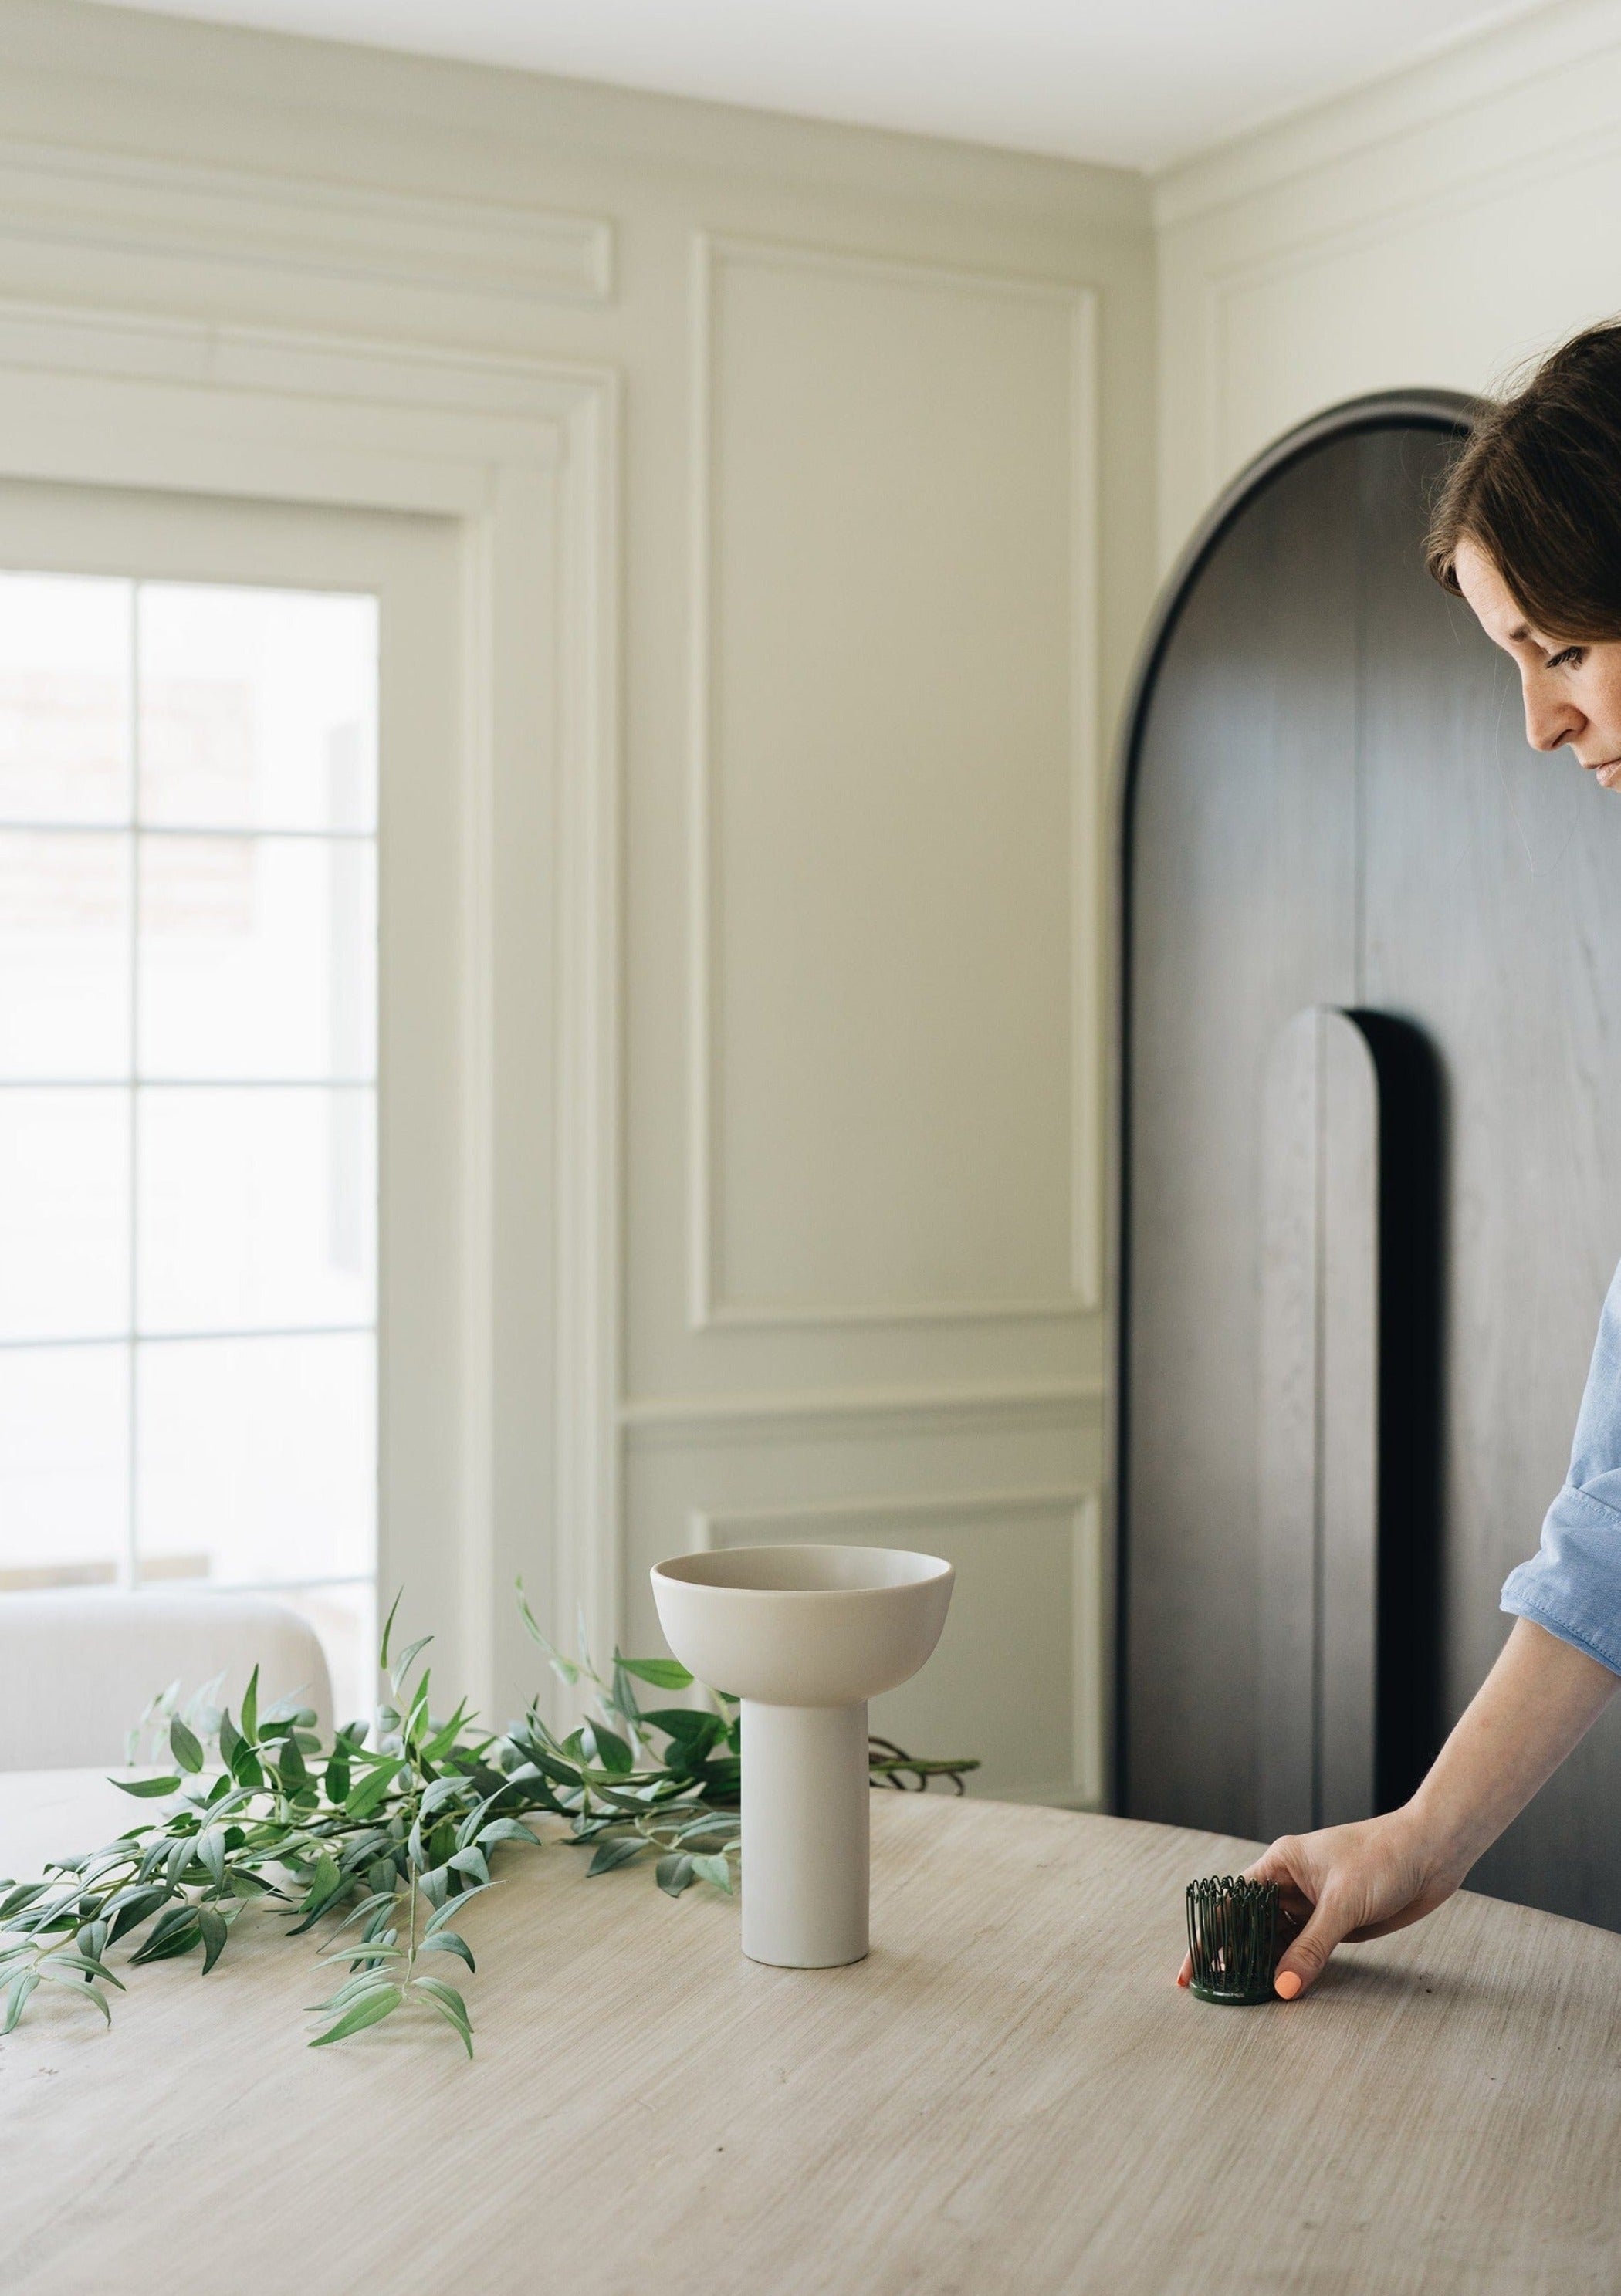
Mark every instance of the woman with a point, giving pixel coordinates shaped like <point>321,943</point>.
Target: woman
<point>1529,532</point>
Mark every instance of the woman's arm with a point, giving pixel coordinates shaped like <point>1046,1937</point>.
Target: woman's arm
<point>1350,1882</point>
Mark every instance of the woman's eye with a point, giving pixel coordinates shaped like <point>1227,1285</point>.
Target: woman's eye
<point>1568,660</point>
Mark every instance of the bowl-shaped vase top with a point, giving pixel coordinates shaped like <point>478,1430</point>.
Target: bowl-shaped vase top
<point>803,1626</point>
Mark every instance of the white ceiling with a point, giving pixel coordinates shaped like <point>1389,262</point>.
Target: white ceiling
<point>1137,82</point>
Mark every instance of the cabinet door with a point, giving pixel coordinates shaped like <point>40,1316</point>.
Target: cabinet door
<point>1243,910</point>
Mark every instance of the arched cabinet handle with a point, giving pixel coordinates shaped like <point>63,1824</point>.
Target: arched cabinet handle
<point>1320,1433</point>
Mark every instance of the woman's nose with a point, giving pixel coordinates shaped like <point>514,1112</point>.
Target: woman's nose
<point>1552,720</point>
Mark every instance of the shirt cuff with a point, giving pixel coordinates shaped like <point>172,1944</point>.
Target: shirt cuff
<point>1572,1585</point>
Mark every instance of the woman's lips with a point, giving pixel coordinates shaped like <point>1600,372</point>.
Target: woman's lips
<point>1608,775</point>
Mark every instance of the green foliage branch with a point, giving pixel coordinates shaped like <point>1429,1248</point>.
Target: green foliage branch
<point>389,1832</point>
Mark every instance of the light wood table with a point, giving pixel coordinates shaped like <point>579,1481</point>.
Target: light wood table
<point>1009,2095</point>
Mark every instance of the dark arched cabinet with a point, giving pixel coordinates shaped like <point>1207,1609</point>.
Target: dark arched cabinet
<point>1369,1099</point>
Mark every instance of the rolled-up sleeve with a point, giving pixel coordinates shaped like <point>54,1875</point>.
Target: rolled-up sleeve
<point>1572,1584</point>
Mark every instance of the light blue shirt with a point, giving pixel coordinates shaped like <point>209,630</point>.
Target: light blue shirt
<point>1572,1585</point>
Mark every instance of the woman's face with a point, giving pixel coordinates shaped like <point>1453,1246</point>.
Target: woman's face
<point>1572,693</point>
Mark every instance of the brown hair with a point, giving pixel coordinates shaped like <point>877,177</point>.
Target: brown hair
<point>1538,488</point>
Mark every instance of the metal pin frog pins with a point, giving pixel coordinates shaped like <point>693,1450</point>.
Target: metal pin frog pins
<point>1232,1938</point>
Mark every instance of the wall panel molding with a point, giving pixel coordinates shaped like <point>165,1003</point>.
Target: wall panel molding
<point>1079,1506</point>
<point>123,202</point>
<point>861,1414</point>
<point>708,1306</point>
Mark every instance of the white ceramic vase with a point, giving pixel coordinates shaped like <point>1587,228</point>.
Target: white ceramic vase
<point>804,1636</point>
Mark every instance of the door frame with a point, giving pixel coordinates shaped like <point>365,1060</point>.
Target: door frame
<point>523,456</point>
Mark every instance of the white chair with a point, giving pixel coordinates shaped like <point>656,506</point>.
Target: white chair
<point>79,1665</point>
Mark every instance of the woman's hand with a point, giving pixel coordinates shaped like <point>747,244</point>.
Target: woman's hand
<point>1347,1884</point>
<point>1350,1882</point>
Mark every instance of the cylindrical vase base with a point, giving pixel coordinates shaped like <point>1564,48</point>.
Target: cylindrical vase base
<point>805,1834</point>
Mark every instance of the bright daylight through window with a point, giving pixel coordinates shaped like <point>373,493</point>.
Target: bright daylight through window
<point>188,1158</point>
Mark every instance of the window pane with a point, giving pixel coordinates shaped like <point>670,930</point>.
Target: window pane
<point>258,957</point>
<point>259,1455</point>
<point>258,1208</point>
<point>64,697</point>
<point>257,708</point>
<point>64,1463</point>
<point>64,954</point>
<point>65,1213</point>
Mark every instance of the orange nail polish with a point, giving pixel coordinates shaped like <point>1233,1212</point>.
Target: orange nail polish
<point>1181,1978</point>
<point>1288,1985</point>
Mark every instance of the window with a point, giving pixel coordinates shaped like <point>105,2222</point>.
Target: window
<point>188,1082</point>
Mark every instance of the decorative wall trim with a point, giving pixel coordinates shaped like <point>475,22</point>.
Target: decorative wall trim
<point>1507,59</point>
<point>523,454</point>
<point>133,205</point>
<point>712,1421</point>
<point>712,1527</point>
<point>707,1307</point>
<point>1296,255</point>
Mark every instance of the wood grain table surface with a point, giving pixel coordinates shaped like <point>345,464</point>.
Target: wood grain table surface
<point>1009,2095</point>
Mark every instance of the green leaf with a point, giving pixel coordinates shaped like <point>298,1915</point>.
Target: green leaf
<point>327,1885</point>
<point>561,1665</point>
<point>369,2010</point>
<point>368,1795</point>
<point>388,1629</point>
<point>618,1851</point>
<point>454,1907</point>
<point>147,1789</point>
<point>363,1981</point>
<point>612,1754</point>
<point>185,1747</point>
<point>398,1673</point>
<point>439,1744</point>
<point>230,1737</point>
<point>88,1965</point>
<point>448,1941</point>
<point>17,1994</point>
<point>215,1932</point>
<point>673,1875</point>
<point>24,1894</point>
<point>691,1725</point>
<point>211,1849</point>
<point>662,1673</point>
<point>714,1868</point>
<point>474,1862</point>
<point>562,1774</point>
<point>245,1767</point>
<point>172,1933</point>
<point>367,1908</point>
<point>336,1777</point>
<point>450,2005</point>
<point>290,1766</point>
<point>77,1988</point>
<point>249,1706</point>
<point>713,1822</point>
<point>506,1829</point>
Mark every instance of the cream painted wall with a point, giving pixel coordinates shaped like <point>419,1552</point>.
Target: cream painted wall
<point>1435,229</point>
<point>885,542</point>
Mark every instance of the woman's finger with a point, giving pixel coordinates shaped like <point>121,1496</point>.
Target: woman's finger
<point>1302,1964</point>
